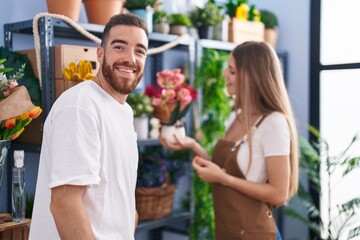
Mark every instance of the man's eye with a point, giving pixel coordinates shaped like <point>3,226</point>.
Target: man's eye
<point>141,52</point>
<point>119,47</point>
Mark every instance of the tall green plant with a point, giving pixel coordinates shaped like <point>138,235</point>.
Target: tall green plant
<point>215,109</point>
<point>340,215</point>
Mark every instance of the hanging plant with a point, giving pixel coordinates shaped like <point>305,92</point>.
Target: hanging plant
<point>215,110</point>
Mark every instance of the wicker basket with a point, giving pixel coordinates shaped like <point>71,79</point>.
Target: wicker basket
<point>154,203</point>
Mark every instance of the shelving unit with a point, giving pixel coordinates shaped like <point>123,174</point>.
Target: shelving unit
<point>49,29</point>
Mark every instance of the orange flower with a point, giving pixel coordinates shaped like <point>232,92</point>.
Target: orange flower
<point>23,116</point>
<point>10,123</point>
<point>35,112</point>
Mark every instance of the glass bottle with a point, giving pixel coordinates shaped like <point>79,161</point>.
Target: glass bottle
<point>18,187</point>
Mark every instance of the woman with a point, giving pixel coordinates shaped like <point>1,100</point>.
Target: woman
<point>255,165</point>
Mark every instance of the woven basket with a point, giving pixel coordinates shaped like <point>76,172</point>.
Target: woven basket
<point>154,203</point>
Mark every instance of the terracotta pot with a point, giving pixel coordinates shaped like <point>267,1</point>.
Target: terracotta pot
<point>162,28</point>
<point>100,11</point>
<point>69,8</point>
<point>271,36</point>
<point>178,30</point>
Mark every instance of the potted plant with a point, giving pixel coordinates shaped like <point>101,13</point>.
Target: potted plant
<point>143,9</point>
<point>245,22</point>
<point>141,105</point>
<point>179,23</point>
<point>171,98</point>
<point>204,19</point>
<point>161,23</point>
<point>156,184</point>
<point>271,23</point>
<point>99,12</point>
<point>69,8</point>
<point>342,218</point>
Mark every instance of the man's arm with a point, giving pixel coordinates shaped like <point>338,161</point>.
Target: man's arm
<point>70,216</point>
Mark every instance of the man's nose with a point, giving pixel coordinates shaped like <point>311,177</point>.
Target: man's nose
<point>130,56</point>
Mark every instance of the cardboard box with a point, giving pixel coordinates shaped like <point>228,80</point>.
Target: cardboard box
<point>241,31</point>
<point>63,56</point>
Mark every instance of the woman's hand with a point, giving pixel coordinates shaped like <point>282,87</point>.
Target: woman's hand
<point>208,171</point>
<point>180,143</point>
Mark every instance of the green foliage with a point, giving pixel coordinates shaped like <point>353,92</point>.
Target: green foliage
<point>140,103</point>
<point>179,19</point>
<point>159,17</point>
<point>342,214</point>
<point>210,15</point>
<point>215,110</point>
<point>231,6</point>
<point>29,205</point>
<point>29,80</point>
<point>139,4</point>
<point>269,19</point>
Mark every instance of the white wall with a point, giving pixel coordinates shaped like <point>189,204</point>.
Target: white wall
<point>294,29</point>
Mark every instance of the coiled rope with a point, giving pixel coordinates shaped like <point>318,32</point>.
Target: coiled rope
<point>88,35</point>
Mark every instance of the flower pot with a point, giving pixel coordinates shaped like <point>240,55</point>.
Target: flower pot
<point>141,125</point>
<point>271,36</point>
<point>162,28</point>
<point>4,153</point>
<point>147,15</point>
<point>206,32</point>
<point>168,132</point>
<point>69,8</point>
<point>178,29</point>
<point>100,11</point>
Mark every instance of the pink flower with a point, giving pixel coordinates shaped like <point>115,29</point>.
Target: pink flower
<point>184,96</point>
<point>170,78</point>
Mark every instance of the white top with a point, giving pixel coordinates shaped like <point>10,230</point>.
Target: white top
<point>271,138</point>
<point>89,140</point>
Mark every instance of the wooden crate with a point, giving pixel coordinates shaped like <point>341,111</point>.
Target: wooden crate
<point>10,230</point>
<point>241,31</point>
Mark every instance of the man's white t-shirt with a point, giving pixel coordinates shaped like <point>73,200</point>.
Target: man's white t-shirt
<point>89,140</point>
<point>271,138</point>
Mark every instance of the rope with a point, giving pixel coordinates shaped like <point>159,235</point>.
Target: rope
<point>88,35</point>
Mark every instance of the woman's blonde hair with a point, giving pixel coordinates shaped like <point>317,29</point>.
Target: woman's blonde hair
<point>260,84</point>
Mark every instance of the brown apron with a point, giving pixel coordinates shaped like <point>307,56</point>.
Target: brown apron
<point>237,216</point>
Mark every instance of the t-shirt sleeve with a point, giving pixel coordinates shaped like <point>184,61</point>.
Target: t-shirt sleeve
<point>74,147</point>
<point>276,140</point>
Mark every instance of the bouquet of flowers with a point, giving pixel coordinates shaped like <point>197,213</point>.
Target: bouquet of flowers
<point>171,96</point>
<point>16,108</point>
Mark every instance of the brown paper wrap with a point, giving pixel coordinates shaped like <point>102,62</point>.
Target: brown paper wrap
<point>17,103</point>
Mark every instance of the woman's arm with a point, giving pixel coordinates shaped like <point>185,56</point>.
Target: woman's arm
<point>275,191</point>
<point>186,143</point>
<point>70,216</point>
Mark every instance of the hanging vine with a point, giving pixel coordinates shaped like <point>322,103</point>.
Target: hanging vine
<point>214,110</point>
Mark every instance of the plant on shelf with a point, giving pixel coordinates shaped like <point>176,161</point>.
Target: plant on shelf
<point>156,183</point>
<point>161,22</point>
<point>271,24</point>
<point>139,4</point>
<point>204,19</point>
<point>342,217</point>
<point>16,108</point>
<point>140,103</point>
<point>179,23</point>
<point>214,111</point>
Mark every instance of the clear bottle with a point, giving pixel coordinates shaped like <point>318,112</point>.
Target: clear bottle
<point>18,187</point>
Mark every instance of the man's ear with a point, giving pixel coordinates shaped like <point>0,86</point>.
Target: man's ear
<point>100,54</point>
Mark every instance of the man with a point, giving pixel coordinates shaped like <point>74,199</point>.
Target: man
<point>89,157</point>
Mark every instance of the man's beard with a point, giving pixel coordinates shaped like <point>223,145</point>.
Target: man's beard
<point>120,84</point>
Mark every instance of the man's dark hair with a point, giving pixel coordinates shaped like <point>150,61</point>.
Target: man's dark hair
<point>126,19</point>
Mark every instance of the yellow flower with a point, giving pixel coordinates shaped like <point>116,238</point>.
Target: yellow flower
<point>242,11</point>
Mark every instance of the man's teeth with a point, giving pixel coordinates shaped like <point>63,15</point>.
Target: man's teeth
<point>126,70</point>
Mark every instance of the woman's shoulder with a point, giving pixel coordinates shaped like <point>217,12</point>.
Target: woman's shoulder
<point>275,119</point>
